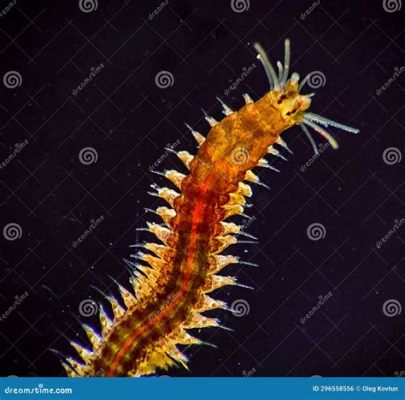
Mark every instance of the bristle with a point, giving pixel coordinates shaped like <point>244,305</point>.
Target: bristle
<point>175,177</point>
<point>93,336</point>
<point>185,157</point>
<point>162,233</point>
<point>265,164</point>
<point>212,121</point>
<point>282,143</point>
<point>247,98</point>
<point>198,137</point>
<point>244,189</point>
<point>226,110</point>
<point>275,152</point>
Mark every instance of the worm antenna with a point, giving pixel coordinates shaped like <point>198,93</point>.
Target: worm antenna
<point>322,132</point>
<point>280,70</point>
<point>287,58</point>
<point>326,122</point>
<point>310,138</point>
<point>304,81</point>
<point>268,67</point>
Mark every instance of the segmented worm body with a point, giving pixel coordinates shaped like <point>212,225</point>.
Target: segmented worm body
<point>172,286</point>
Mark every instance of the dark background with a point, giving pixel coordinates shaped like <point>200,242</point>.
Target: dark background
<point>128,120</point>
